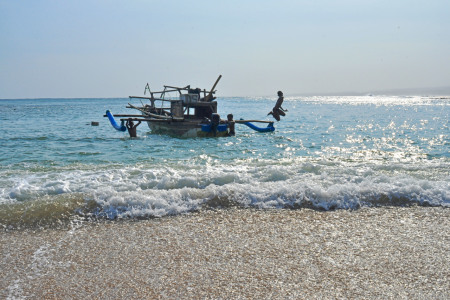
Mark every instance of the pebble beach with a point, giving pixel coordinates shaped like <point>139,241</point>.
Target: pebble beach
<point>387,252</point>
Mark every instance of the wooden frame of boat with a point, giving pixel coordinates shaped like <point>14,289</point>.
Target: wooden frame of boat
<point>188,115</point>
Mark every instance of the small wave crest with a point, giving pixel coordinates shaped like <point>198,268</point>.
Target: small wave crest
<point>143,191</point>
<point>46,212</point>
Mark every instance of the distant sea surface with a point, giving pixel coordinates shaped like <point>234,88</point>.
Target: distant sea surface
<point>327,153</point>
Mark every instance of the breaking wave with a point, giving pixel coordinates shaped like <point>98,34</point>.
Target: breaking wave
<point>148,190</point>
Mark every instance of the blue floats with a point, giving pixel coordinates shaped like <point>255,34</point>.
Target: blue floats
<point>118,127</point>
<point>269,127</point>
<point>209,127</point>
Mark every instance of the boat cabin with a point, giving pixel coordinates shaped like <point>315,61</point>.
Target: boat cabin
<point>188,105</point>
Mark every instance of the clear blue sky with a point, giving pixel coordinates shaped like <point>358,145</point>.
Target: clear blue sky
<point>54,48</point>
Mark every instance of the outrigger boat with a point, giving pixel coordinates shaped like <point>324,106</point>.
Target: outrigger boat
<point>188,115</point>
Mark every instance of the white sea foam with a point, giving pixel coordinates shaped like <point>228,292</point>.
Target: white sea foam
<point>159,190</point>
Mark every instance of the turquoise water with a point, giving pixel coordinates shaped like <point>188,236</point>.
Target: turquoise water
<point>327,153</point>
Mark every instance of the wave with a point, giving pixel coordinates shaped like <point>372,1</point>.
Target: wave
<point>149,190</point>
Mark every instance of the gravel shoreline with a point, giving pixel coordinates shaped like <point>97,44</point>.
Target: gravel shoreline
<point>387,252</point>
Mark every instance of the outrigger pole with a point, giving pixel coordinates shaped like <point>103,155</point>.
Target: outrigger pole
<point>143,118</point>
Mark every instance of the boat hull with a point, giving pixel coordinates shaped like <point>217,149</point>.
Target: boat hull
<point>183,129</point>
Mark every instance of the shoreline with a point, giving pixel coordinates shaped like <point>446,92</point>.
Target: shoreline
<point>384,252</point>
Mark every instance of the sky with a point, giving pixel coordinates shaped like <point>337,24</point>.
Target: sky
<point>82,49</point>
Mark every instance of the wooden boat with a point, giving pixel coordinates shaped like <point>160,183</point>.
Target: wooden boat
<point>188,114</point>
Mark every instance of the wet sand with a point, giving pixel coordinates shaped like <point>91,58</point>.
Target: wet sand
<point>237,254</point>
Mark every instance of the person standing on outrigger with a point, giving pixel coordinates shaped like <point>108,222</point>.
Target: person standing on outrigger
<point>277,110</point>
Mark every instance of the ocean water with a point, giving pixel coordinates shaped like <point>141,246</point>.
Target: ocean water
<point>327,153</point>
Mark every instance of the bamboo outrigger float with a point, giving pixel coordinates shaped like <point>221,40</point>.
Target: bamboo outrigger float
<point>188,115</point>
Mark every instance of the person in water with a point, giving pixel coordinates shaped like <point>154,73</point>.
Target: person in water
<point>132,128</point>
<point>277,110</point>
<point>231,123</point>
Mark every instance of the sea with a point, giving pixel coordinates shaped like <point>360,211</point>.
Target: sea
<point>327,153</point>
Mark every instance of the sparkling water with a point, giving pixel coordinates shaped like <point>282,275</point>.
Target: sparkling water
<point>326,153</point>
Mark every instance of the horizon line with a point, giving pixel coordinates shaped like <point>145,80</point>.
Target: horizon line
<point>424,92</point>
